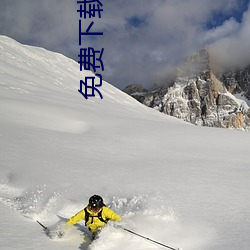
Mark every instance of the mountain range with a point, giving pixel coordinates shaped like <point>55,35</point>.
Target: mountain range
<point>202,94</point>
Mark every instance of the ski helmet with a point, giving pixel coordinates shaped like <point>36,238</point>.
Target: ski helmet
<point>95,202</point>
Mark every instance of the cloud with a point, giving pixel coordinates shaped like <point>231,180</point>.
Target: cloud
<point>48,23</point>
<point>233,49</point>
<point>228,28</point>
<point>143,39</point>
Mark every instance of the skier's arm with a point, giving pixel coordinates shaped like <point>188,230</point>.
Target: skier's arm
<point>110,214</point>
<point>77,217</point>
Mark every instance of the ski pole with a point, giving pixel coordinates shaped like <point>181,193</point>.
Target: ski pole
<point>45,228</point>
<point>146,238</point>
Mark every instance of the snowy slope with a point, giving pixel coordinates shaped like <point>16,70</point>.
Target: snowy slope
<point>179,184</point>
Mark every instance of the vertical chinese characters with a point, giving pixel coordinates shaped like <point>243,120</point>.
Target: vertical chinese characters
<point>89,58</point>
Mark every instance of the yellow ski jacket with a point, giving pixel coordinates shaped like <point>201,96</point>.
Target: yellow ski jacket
<point>94,223</point>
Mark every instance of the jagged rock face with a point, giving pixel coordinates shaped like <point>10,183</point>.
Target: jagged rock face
<point>237,81</point>
<point>137,91</point>
<point>134,88</point>
<point>205,102</point>
<point>199,97</point>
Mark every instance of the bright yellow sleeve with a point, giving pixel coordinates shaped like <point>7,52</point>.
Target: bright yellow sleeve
<point>77,217</point>
<point>111,215</point>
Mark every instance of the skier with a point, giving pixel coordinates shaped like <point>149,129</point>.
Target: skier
<point>95,214</point>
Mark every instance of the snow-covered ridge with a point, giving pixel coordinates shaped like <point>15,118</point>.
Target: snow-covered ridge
<point>37,68</point>
<point>37,75</point>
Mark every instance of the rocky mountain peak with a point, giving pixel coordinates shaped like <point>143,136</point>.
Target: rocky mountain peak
<point>202,97</point>
<point>196,64</point>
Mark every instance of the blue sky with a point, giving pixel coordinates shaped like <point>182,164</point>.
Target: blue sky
<point>143,40</point>
<point>218,17</point>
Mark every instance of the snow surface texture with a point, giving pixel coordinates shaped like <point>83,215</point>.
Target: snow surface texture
<point>181,185</point>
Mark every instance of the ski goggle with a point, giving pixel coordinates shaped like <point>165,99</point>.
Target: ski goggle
<point>94,208</point>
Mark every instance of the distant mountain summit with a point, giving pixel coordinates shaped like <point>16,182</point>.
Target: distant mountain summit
<point>200,96</point>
